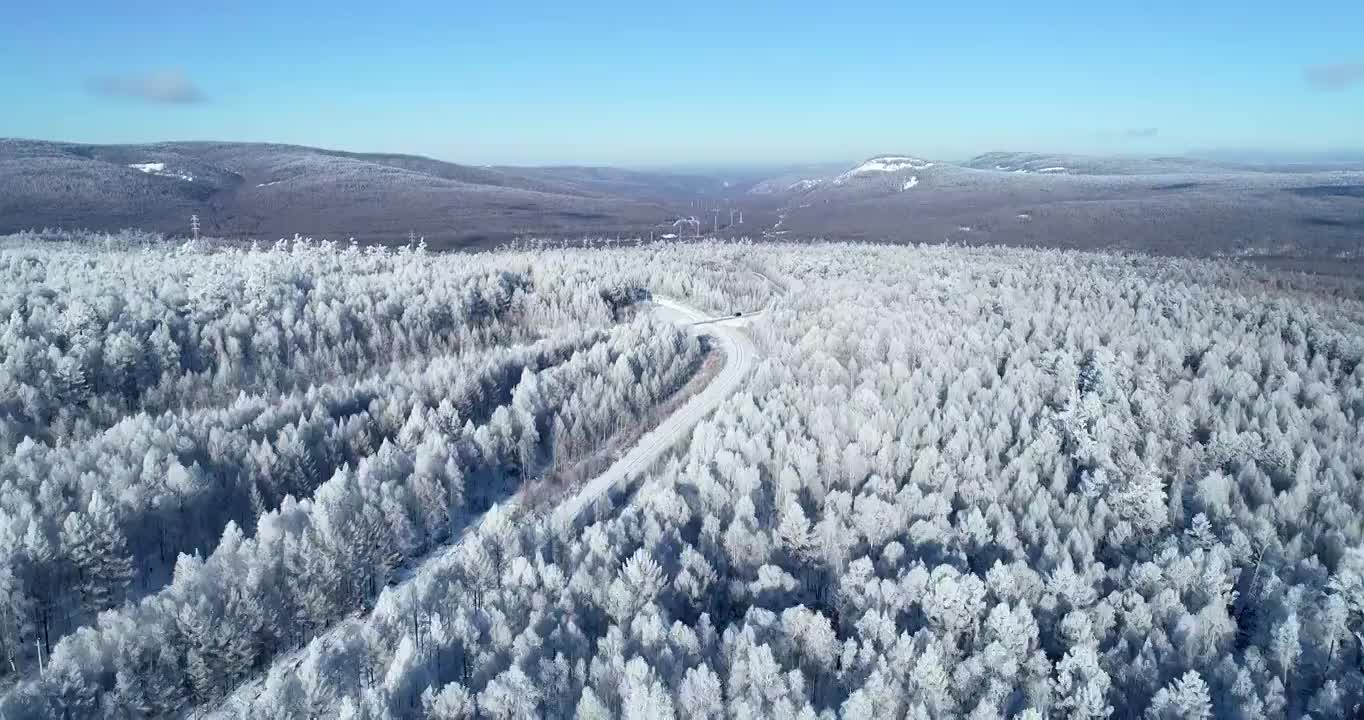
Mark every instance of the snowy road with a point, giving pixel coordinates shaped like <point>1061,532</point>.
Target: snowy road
<point>740,356</point>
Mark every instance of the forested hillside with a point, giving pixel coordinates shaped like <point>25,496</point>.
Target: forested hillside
<point>261,191</point>
<point>960,483</point>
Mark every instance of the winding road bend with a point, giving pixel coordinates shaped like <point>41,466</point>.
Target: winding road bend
<point>740,355</point>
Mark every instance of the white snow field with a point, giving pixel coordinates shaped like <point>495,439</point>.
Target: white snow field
<point>159,169</point>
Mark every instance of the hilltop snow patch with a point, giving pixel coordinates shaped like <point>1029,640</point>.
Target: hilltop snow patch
<point>884,164</point>
<point>159,169</point>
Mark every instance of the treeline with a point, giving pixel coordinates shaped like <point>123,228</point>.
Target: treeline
<point>719,277</point>
<point>978,483</point>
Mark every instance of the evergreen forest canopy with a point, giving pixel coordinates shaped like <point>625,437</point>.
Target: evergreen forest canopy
<point>314,480</point>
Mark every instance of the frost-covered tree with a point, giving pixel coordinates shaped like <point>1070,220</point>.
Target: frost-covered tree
<point>959,483</point>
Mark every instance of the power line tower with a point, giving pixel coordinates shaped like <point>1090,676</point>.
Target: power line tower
<point>194,226</point>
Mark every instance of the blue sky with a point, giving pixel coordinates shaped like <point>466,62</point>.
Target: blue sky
<point>640,83</point>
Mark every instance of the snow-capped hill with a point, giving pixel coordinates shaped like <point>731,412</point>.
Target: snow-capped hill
<point>875,177</point>
<point>159,169</point>
<point>882,165</point>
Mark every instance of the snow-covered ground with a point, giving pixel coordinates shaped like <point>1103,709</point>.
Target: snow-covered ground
<point>159,169</point>
<point>1027,170</point>
<point>885,164</point>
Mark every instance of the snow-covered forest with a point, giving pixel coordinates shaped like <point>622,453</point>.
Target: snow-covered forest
<point>313,480</point>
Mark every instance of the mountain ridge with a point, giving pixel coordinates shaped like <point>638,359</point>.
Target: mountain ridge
<point>266,189</point>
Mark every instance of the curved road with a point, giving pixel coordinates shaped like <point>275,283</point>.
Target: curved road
<point>739,354</point>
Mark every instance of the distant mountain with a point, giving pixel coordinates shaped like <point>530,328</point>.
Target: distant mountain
<point>1047,163</point>
<point>1310,214</point>
<point>269,191</point>
<point>1168,205</point>
<point>1130,165</point>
